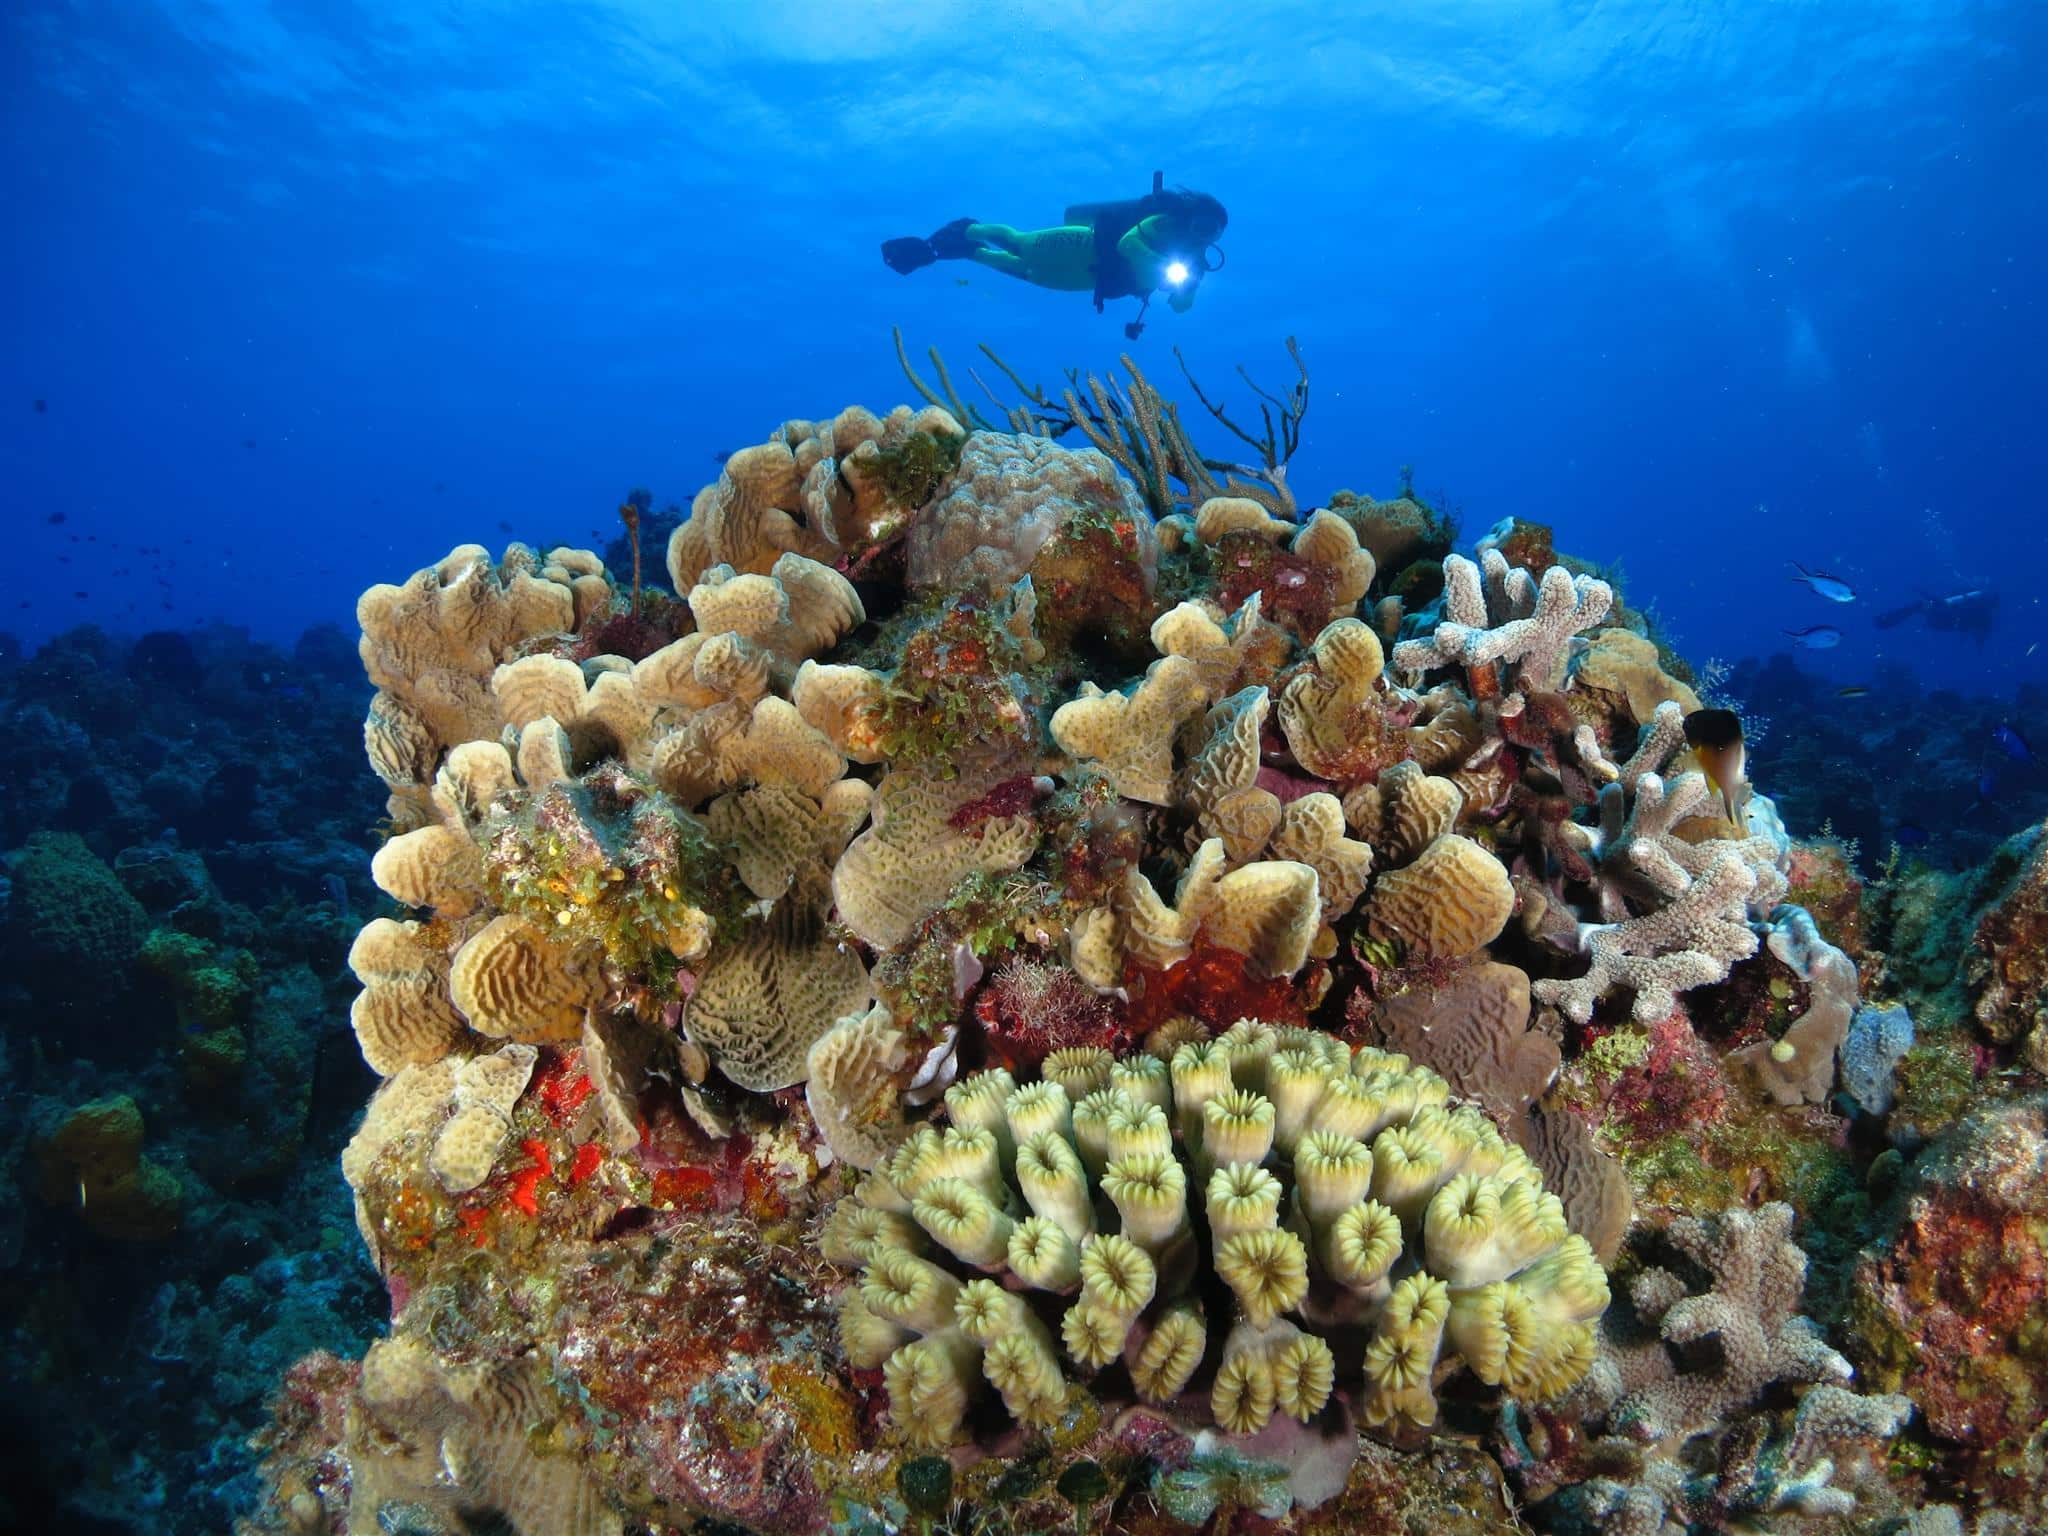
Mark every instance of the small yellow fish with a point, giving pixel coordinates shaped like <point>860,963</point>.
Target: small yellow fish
<point>1715,736</point>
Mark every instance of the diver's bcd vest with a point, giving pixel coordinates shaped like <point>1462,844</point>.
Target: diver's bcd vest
<point>1111,221</point>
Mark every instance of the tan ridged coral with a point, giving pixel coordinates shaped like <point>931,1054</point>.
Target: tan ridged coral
<point>731,744</point>
<point>534,687</point>
<point>430,645</point>
<point>1220,516</point>
<point>1219,781</point>
<point>847,495</point>
<point>435,867</point>
<point>1131,735</point>
<point>747,519</point>
<point>770,990</point>
<point>401,746</point>
<point>1230,650</point>
<point>853,1086</point>
<point>1268,911</point>
<point>775,832</point>
<point>404,1015</point>
<point>1333,713</point>
<point>1406,811</point>
<point>1624,664</point>
<point>1416,1221</point>
<point>471,778</point>
<point>514,982</point>
<point>798,610</point>
<point>452,1444</point>
<point>1452,899</point>
<point>843,704</point>
<point>484,1090</point>
<point>904,866</point>
<point>413,1101</point>
<point>1312,832</point>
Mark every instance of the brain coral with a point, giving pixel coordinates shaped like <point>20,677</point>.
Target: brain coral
<point>72,926</point>
<point>1219,1217</point>
<point>1008,497</point>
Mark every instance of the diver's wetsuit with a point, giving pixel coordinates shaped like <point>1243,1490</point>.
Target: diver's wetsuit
<point>1112,259</point>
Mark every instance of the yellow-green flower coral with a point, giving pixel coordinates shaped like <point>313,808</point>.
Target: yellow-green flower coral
<point>1337,1189</point>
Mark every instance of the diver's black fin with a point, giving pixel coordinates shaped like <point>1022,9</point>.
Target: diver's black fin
<point>908,253</point>
<point>1892,618</point>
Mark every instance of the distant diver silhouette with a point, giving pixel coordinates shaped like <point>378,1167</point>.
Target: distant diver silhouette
<point>1972,612</point>
<point>1165,240</point>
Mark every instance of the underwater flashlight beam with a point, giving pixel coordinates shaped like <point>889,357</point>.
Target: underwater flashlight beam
<point>1176,273</point>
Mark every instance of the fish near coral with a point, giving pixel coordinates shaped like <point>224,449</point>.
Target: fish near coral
<point>1715,736</point>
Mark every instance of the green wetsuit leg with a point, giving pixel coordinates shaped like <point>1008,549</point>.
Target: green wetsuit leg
<point>1062,257</point>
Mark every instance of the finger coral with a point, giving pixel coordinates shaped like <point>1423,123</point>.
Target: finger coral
<point>1208,1223</point>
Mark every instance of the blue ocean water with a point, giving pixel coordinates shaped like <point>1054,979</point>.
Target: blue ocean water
<point>302,292</point>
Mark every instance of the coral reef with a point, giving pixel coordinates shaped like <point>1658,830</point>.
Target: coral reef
<point>186,838</point>
<point>1047,986</point>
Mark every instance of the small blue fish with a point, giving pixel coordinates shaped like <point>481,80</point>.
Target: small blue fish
<point>1911,834</point>
<point>2012,743</point>
<point>1821,637</point>
<point>1833,588</point>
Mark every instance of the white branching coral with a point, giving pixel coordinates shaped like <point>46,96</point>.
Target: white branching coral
<point>1710,1372</point>
<point>1496,613</point>
<point>1052,1229</point>
<point>1675,910</point>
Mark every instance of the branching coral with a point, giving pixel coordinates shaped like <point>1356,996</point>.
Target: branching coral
<point>1651,1398</point>
<point>1497,615</point>
<point>1207,1218</point>
<point>1676,904</point>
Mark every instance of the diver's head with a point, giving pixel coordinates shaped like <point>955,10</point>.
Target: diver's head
<point>1197,217</point>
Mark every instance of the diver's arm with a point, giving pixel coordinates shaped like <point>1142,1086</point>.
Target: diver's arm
<point>1150,250</point>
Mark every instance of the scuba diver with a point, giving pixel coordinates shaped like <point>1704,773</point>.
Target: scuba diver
<point>1972,612</point>
<point>1116,250</point>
